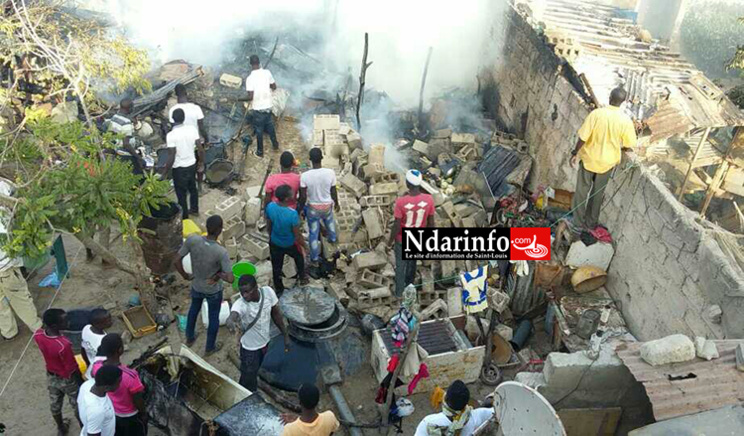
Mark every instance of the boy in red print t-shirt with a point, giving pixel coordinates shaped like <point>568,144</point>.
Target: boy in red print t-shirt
<point>413,210</point>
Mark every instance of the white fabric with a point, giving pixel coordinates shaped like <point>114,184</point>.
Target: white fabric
<point>183,138</point>
<point>123,126</point>
<point>414,177</point>
<point>318,183</point>
<point>259,82</point>
<point>260,334</point>
<point>90,342</point>
<point>97,413</point>
<point>477,418</point>
<point>192,112</point>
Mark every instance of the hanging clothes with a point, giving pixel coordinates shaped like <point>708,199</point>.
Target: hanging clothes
<point>401,326</point>
<point>415,358</point>
<point>474,290</point>
<point>422,373</point>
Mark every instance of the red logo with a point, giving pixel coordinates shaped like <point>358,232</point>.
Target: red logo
<point>531,243</point>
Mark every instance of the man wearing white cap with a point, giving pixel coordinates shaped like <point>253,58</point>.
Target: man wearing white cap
<point>413,210</point>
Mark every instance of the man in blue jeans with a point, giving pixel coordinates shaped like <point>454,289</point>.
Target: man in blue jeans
<point>285,237</point>
<point>318,198</point>
<point>260,84</point>
<point>210,264</point>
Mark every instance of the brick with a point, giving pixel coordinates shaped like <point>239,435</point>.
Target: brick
<point>377,154</point>
<point>230,81</point>
<point>366,303</point>
<point>387,177</point>
<point>370,171</point>
<point>463,138</point>
<point>353,184</point>
<point>325,122</point>
<point>421,146</point>
<point>234,228</point>
<point>376,201</point>
<point>371,260</point>
<point>289,269</point>
<point>373,223</point>
<point>231,245</point>
<point>229,208</point>
<point>383,189</point>
<point>257,248</point>
<point>252,211</point>
<point>371,280</point>
<point>338,290</point>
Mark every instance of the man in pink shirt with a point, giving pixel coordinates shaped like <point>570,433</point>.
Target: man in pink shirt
<point>128,398</point>
<point>63,373</point>
<point>286,177</point>
<point>413,210</point>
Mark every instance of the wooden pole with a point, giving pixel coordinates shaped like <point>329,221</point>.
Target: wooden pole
<point>421,93</point>
<point>410,343</point>
<point>273,51</point>
<point>737,142</point>
<point>692,163</point>
<point>362,81</point>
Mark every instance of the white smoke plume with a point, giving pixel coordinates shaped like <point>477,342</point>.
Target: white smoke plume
<point>400,33</point>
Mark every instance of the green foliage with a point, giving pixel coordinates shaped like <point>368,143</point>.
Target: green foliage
<point>80,193</point>
<point>737,62</point>
<point>710,36</point>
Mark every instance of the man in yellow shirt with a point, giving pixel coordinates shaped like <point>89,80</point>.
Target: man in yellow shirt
<point>605,132</point>
<point>310,422</point>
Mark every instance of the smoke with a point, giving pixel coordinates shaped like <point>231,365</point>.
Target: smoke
<point>400,34</point>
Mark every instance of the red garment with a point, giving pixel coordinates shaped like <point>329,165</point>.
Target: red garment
<point>393,362</point>
<point>413,212</point>
<point>422,373</point>
<point>601,234</point>
<point>123,397</point>
<point>276,180</point>
<point>57,352</point>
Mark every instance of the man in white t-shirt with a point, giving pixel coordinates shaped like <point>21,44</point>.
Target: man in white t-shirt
<point>456,417</point>
<point>318,197</point>
<point>92,335</point>
<point>260,84</point>
<point>192,111</point>
<point>95,407</point>
<point>182,142</point>
<point>251,316</point>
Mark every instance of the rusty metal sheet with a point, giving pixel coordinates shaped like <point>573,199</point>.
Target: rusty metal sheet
<point>690,387</point>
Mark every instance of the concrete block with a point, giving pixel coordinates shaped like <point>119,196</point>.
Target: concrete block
<point>371,260</point>
<point>671,349</point>
<point>289,269</point>
<point>372,280</point>
<point>713,314</point>
<point>705,349</point>
<point>463,138</point>
<point>376,201</point>
<point>578,371</point>
<point>531,379</point>
<point>377,154</point>
<point>252,192</point>
<point>383,189</point>
<point>325,122</point>
<point>252,211</point>
<point>353,184</point>
<point>468,222</point>
<point>387,177</point>
<point>449,209</point>
<point>421,146</point>
<point>373,223</point>
<point>338,290</point>
<point>375,298</point>
<point>233,228</point>
<point>370,171</point>
<point>437,310</point>
<point>354,140</point>
<point>230,81</point>
<point>229,208</point>
<point>454,302</point>
<point>599,255</point>
<point>231,245</point>
<point>257,248</point>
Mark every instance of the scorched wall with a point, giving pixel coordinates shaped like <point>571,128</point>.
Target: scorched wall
<point>668,269</point>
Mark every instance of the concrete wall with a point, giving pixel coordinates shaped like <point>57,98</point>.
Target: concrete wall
<point>667,268</point>
<point>527,92</point>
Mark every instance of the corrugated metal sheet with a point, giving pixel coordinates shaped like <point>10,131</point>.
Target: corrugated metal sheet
<point>665,90</point>
<point>690,387</point>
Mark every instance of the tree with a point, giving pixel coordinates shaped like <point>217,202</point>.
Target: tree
<point>64,187</point>
<point>710,34</point>
<point>66,182</point>
<point>737,62</point>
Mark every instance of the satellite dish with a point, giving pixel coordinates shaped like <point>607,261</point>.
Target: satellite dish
<point>521,410</point>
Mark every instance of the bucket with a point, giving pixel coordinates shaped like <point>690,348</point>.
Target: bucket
<point>224,313</point>
<point>241,269</point>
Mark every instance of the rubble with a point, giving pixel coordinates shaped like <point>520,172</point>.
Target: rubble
<point>672,349</point>
<point>705,349</point>
<point>231,81</point>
